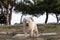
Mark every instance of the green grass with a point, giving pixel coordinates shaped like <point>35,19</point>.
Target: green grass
<point>49,28</point>
<point>41,28</point>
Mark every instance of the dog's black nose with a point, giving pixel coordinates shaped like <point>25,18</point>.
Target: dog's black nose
<point>27,24</point>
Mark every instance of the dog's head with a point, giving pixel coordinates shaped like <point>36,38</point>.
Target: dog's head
<point>28,20</point>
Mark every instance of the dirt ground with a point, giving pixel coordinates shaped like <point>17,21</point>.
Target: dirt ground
<point>6,37</point>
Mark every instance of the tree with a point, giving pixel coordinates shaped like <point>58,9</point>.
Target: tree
<point>39,7</point>
<point>48,7</point>
<point>8,6</point>
<point>51,6</point>
<point>56,9</point>
<point>27,7</point>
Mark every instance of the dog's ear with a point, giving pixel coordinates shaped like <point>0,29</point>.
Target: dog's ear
<point>31,18</point>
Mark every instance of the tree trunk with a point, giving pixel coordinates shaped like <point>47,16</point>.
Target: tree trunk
<point>21,19</point>
<point>3,12</point>
<point>10,16</point>
<point>10,19</point>
<point>10,12</point>
<point>7,19</point>
<point>7,16</point>
<point>57,18</point>
<point>46,18</point>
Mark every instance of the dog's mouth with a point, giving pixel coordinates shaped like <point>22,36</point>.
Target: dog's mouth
<point>27,24</point>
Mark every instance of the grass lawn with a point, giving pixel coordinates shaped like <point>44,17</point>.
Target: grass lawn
<point>42,28</point>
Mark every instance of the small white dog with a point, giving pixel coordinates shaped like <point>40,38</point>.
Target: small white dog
<point>29,26</point>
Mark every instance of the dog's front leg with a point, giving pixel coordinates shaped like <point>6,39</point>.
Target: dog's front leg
<point>24,31</point>
<point>31,33</point>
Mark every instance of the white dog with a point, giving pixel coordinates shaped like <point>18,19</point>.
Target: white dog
<point>29,26</point>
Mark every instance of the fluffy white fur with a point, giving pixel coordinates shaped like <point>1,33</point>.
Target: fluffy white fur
<point>29,26</point>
